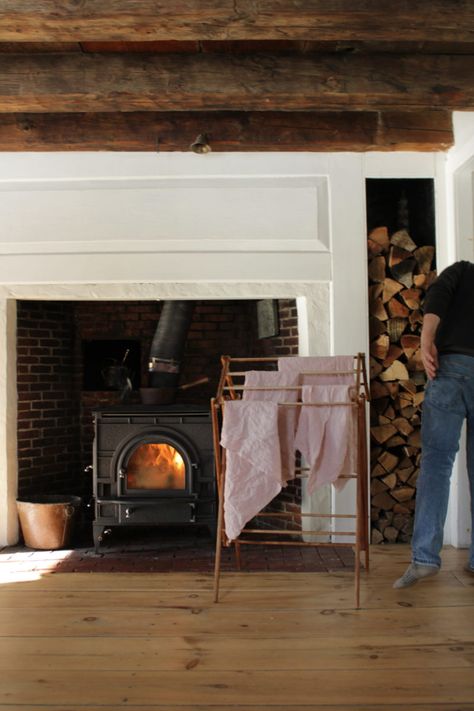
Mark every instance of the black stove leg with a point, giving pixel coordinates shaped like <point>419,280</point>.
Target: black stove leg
<point>98,535</point>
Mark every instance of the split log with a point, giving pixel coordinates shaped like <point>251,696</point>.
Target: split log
<point>383,501</point>
<point>375,452</point>
<point>410,343</point>
<point>376,536</point>
<point>390,288</point>
<point>396,309</point>
<point>395,441</point>
<point>395,328</point>
<point>415,317</point>
<point>377,486</point>
<point>377,309</point>
<point>377,390</point>
<point>401,520</point>
<point>376,327</point>
<point>393,353</point>
<point>414,440</point>
<point>403,426</point>
<point>419,378</point>
<point>403,272</point>
<point>418,398</point>
<point>379,347</point>
<point>392,388</point>
<point>390,534</point>
<point>390,481</point>
<point>397,371</point>
<point>397,255</point>
<point>411,297</point>
<point>390,413</point>
<point>375,291</point>
<point>403,493</point>
<point>402,239</point>
<point>409,386</point>
<point>375,368</point>
<point>383,432</point>
<point>424,257</point>
<point>388,461</point>
<point>376,269</point>
<point>377,471</point>
<point>405,474</point>
<point>401,509</point>
<point>424,281</point>
<point>380,239</point>
<point>416,362</point>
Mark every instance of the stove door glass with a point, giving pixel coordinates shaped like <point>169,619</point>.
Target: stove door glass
<point>156,466</point>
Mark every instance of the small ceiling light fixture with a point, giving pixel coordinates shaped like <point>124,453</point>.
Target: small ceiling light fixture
<point>201,144</point>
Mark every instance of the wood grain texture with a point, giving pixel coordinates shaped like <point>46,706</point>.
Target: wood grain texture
<point>275,641</point>
<point>205,82</point>
<point>228,131</point>
<point>138,20</point>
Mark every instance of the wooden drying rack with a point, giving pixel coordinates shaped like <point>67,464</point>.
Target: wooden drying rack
<point>229,389</point>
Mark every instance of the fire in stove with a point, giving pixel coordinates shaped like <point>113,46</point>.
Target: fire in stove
<point>156,466</point>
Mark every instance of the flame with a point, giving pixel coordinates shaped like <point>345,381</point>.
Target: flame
<point>156,466</point>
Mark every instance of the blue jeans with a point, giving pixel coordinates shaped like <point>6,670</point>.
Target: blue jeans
<point>449,400</point>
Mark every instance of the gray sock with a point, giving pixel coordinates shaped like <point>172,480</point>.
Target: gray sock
<point>414,573</point>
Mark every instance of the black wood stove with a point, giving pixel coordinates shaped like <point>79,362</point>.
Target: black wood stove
<point>153,466</point>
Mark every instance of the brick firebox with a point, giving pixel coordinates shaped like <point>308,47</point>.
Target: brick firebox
<point>54,411</point>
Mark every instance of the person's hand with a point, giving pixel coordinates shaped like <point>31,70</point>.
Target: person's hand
<point>429,356</point>
<point>429,352</point>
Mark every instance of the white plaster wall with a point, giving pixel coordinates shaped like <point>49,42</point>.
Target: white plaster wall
<point>139,226</point>
<point>459,186</point>
<point>8,417</point>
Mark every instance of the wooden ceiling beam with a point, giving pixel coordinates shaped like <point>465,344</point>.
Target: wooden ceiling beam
<point>55,83</point>
<point>235,131</point>
<point>149,20</point>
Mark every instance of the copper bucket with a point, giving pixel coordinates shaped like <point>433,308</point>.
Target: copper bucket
<point>47,522</point>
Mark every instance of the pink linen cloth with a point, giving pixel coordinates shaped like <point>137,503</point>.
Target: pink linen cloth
<point>305,364</point>
<point>287,416</point>
<point>253,461</point>
<point>325,435</point>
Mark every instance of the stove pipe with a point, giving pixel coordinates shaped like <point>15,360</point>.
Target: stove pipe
<point>167,347</point>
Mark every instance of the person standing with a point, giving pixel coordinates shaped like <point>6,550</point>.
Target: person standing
<point>447,349</point>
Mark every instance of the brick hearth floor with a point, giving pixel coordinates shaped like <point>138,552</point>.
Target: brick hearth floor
<point>165,550</point>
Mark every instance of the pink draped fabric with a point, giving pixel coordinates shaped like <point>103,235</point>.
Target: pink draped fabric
<point>304,364</point>
<point>253,461</point>
<point>287,416</point>
<point>325,435</point>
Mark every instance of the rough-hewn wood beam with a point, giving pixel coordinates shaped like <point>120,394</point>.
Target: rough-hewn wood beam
<point>116,82</point>
<point>236,131</point>
<point>418,20</point>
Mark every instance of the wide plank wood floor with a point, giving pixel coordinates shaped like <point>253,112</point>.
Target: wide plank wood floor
<point>275,641</point>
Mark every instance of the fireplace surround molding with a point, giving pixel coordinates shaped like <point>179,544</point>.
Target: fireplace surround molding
<point>314,309</point>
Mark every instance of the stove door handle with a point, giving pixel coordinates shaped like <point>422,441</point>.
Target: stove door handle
<point>121,480</point>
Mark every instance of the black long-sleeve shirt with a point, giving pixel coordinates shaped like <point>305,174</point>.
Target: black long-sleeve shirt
<point>451,297</point>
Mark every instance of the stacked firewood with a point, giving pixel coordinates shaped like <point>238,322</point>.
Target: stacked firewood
<point>399,274</point>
